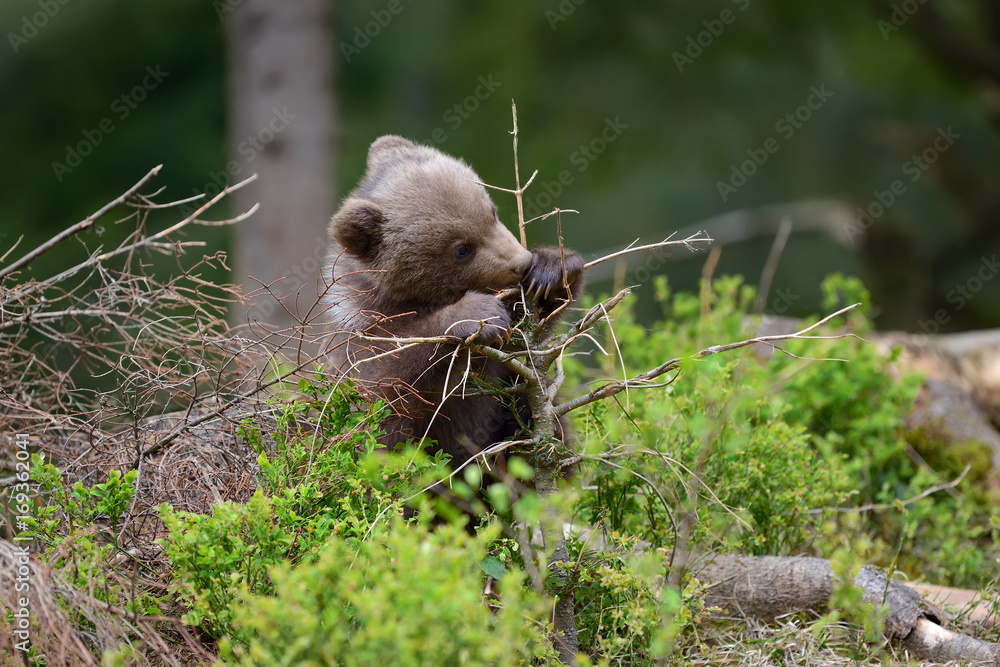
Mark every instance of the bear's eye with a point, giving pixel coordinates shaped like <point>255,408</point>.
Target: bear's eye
<point>462,251</point>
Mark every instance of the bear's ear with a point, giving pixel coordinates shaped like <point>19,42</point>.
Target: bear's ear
<point>358,227</point>
<point>388,147</point>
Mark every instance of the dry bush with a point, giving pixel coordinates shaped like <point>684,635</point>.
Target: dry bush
<point>108,366</point>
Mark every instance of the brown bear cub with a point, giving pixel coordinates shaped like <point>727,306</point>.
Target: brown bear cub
<point>417,250</point>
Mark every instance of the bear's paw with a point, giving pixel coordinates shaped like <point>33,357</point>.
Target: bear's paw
<point>481,318</point>
<point>544,279</point>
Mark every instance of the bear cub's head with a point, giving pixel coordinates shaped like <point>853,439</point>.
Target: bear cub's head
<point>423,229</point>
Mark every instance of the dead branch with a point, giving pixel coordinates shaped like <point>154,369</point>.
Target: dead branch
<point>771,263</point>
<point>83,225</point>
<point>642,379</point>
<point>191,421</point>
<point>901,503</point>
<point>105,364</point>
<point>519,191</point>
<point>767,340</point>
<point>547,469</point>
<point>697,237</point>
<point>136,241</point>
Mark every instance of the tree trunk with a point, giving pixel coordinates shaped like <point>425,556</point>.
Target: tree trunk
<point>281,118</point>
<point>564,613</point>
<point>546,421</point>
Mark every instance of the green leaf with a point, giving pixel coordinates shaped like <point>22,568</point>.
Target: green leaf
<point>493,567</point>
<point>519,468</point>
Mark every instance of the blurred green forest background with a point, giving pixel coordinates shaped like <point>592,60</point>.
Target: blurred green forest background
<point>692,90</point>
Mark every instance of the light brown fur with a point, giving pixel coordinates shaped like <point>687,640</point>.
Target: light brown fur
<point>418,251</point>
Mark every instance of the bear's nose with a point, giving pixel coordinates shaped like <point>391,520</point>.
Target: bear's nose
<point>523,262</point>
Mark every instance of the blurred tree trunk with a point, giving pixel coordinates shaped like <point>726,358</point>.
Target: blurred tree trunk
<point>975,60</point>
<point>281,127</point>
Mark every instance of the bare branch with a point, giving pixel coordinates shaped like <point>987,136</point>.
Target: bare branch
<point>137,241</point>
<point>771,265</point>
<point>901,503</point>
<point>188,424</point>
<point>3,258</point>
<point>519,191</point>
<point>641,380</point>
<point>80,226</point>
<point>688,243</point>
<point>715,349</point>
<point>555,211</point>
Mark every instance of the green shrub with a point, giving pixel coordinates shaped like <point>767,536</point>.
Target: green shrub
<point>721,420</point>
<point>859,410</point>
<point>77,505</point>
<point>856,405</point>
<point>778,441</point>
<point>78,529</point>
<point>320,477</point>
<point>627,614</point>
<point>405,596</point>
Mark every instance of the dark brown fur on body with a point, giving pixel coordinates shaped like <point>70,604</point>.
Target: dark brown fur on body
<point>418,251</point>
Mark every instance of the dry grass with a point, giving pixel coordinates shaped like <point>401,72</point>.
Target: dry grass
<point>795,640</point>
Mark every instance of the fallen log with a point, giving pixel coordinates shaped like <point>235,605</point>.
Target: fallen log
<point>766,587</point>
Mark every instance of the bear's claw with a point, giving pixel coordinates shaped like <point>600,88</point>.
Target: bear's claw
<point>544,277</point>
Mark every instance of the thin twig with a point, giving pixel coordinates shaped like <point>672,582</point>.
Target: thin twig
<point>544,216</point>
<point>640,380</point>
<point>3,258</point>
<point>211,414</point>
<point>519,192</point>
<point>95,260</point>
<point>899,503</point>
<point>651,485</point>
<point>694,238</point>
<point>715,349</point>
<point>771,265</point>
